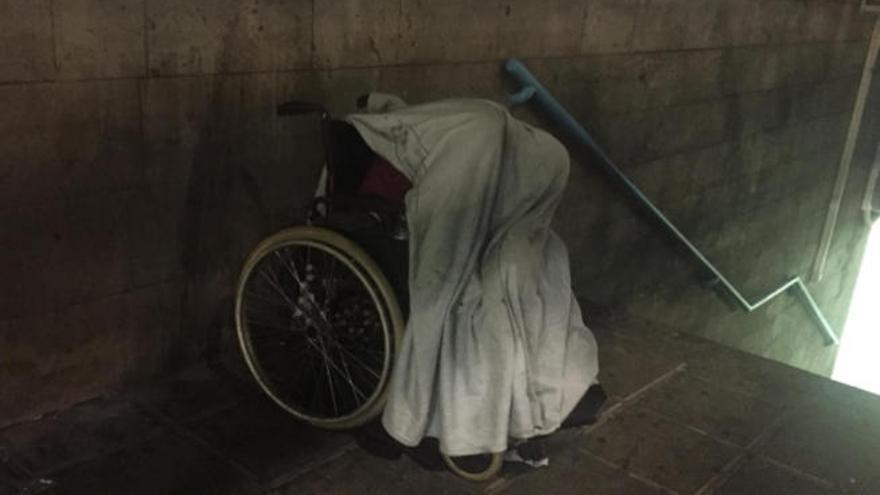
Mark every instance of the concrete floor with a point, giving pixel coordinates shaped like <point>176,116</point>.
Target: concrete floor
<point>685,416</point>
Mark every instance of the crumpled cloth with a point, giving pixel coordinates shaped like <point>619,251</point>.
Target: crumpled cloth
<point>495,346</point>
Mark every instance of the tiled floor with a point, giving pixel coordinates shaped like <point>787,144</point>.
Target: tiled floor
<point>684,416</point>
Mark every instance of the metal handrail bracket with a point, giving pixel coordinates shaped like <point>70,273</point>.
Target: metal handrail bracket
<point>532,90</point>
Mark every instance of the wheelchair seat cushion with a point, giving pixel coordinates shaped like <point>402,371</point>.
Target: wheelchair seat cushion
<point>383,180</point>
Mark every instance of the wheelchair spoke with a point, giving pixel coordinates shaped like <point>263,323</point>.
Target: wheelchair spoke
<point>329,378</point>
<point>344,373</point>
<point>361,364</point>
<point>278,289</point>
<point>265,299</point>
<point>355,390</point>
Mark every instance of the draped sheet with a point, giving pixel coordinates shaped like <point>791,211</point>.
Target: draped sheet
<point>495,346</point>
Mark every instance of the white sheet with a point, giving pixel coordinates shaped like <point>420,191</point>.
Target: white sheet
<point>495,346</point>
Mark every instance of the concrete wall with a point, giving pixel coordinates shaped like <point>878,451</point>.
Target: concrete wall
<point>140,157</point>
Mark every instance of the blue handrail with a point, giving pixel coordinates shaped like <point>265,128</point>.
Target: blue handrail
<point>532,90</point>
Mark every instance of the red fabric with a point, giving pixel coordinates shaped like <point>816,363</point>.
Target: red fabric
<point>385,181</point>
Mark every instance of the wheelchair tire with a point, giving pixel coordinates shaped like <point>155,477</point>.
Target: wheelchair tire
<point>486,467</point>
<point>318,325</point>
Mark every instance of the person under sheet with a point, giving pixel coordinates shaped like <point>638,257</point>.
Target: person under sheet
<point>495,349</point>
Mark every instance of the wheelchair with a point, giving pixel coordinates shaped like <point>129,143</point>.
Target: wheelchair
<point>320,308</point>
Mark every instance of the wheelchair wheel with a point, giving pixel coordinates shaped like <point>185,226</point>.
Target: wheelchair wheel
<point>318,325</point>
<point>477,468</point>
